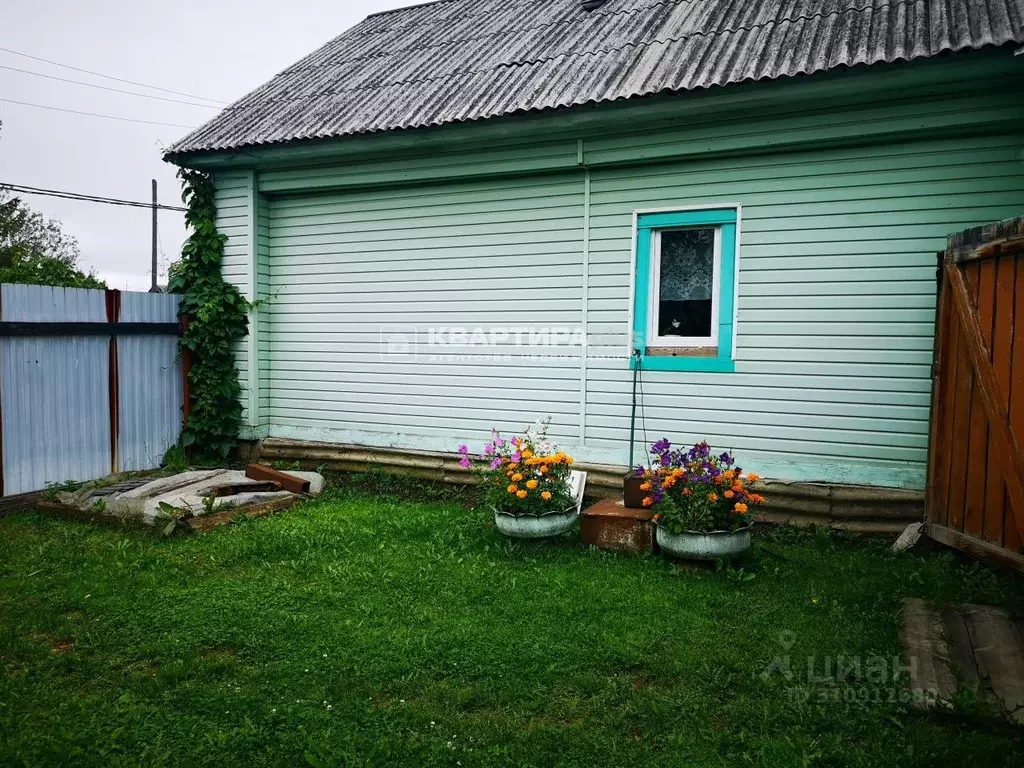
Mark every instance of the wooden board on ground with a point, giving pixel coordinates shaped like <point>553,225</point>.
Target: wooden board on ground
<point>217,519</point>
<point>1000,654</point>
<point>927,654</point>
<point>970,648</point>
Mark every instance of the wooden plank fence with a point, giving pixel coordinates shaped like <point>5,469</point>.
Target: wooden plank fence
<point>976,466</point>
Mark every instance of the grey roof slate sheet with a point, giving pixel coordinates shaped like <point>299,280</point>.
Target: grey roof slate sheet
<point>460,60</point>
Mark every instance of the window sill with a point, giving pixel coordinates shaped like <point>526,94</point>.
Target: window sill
<point>680,363</point>
<point>702,352</point>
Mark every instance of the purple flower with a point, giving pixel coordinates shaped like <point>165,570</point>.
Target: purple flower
<point>665,460</point>
<point>640,471</point>
<point>464,450</point>
<point>464,462</point>
<point>488,449</point>
<point>662,446</point>
<point>499,443</point>
<point>517,457</point>
<point>496,463</point>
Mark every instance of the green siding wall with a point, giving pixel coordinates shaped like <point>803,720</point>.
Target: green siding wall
<point>243,217</point>
<point>233,203</point>
<point>836,301</point>
<point>470,254</point>
<point>843,211</point>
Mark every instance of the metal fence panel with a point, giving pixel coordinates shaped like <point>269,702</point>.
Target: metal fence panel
<point>53,391</point>
<point>149,383</point>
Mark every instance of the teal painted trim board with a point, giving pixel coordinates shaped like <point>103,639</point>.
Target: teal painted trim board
<point>686,218</point>
<point>725,220</point>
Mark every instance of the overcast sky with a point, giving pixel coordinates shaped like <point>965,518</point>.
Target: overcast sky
<point>217,49</point>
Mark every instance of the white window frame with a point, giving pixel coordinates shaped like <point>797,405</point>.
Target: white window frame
<point>654,299</point>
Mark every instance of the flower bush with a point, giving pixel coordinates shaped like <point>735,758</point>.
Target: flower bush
<point>522,475</point>
<point>693,490</point>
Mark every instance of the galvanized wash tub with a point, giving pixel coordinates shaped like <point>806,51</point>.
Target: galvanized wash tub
<point>547,525</point>
<point>714,545</point>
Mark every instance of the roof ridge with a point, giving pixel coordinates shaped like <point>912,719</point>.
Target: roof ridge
<point>596,52</point>
<point>407,8</point>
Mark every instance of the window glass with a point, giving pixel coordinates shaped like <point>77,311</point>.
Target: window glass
<point>686,283</point>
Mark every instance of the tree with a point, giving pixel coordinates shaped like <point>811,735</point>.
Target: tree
<point>36,251</point>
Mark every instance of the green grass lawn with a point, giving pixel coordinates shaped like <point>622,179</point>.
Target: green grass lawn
<point>368,629</point>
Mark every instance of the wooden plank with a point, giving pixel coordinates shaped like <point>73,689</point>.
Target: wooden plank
<point>11,505</point>
<point>1012,537</point>
<point>1000,656</point>
<point>961,649</point>
<point>940,428</point>
<point>1007,449</point>
<point>978,548</point>
<point>927,654</point>
<point>288,482</point>
<point>981,277</point>
<point>217,519</point>
<point>961,408</point>
<point>1001,346</point>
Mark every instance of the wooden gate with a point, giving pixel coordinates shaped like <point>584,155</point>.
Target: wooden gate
<point>975,465</point>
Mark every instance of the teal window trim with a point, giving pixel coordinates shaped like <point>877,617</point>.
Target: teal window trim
<point>726,220</point>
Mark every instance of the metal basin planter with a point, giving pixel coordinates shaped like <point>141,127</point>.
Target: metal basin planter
<point>713,545</point>
<point>546,525</point>
<point>535,526</point>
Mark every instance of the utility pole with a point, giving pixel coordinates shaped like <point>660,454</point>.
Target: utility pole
<point>154,288</point>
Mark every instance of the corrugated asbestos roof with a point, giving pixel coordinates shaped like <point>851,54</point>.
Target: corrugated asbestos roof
<point>458,60</point>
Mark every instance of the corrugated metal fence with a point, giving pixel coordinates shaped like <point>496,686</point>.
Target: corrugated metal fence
<point>90,384</point>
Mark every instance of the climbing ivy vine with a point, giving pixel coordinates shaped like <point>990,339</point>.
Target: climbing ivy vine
<point>217,318</point>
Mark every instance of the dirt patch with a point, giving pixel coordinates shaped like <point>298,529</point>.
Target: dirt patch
<point>63,647</point>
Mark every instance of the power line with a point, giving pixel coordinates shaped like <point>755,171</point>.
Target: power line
<point>94,114</point>
<point>108,88</point>
<point>111,77</point>
<point>20,189</point>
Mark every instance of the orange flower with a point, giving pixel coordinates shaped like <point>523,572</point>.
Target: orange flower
<point>527,453</point>
<point>657,518</point>
<point>512,488</point>
<point>546,495</point>
<point>712,497</point>
<point>517,477</point>
<point>741,509</point>
<point>687,492</point>
<point>729,494</point>
<point>544,470</point>
<point>648,501</point>
<point>531,484</point>
<point>753,478</point>
<point>645,486</point>
<point>522,494</point>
